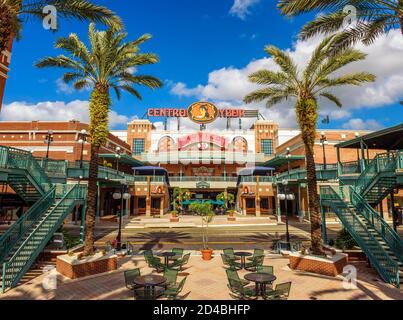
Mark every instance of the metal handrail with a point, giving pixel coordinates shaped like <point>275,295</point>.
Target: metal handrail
<point>389,269</point>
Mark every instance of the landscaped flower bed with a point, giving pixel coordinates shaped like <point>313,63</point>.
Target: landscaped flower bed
<point>72,267</point>
<point>327,265</point>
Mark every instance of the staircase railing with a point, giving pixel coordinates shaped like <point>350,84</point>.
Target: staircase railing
<point>382,262</point>
<point>385,162</point>
<point>23,224</point>
<point>11,158</point>
<point>378,223</point>
<point>24,257</point>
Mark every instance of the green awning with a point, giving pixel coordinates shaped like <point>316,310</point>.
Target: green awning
<point>213,202</point>
<point>386,139</point>
<point>124,158</point>
<point>279,161</point>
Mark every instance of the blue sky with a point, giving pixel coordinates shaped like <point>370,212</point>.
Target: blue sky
<point>200,43</point>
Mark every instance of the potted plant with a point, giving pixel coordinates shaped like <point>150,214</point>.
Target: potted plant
<point>174,216</point>
<point>229,200</point>
<point>205,211</point>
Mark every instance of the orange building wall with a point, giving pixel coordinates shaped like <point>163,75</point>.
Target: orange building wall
<point>4,64</point>
<point>65,134</point>
<point>265,129</point>
<point>334,137</point>
<point>140,129</point>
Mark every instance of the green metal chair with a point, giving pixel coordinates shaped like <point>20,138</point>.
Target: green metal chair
<point>256,262</point>
<point>232,274</point>
<point>130,275</point>
<point>149,257</point>
<point>231,263</point>
<point>256,253</point>
<point>178,253</point>
<point>265,269</point>
<point>178,264</point>
<point>230,253</point>
<point>241,292</point>
<point>171,276</point>
<point>172,292</point>
<point>281,292</point>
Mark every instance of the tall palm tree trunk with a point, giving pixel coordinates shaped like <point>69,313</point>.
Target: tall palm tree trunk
<point>91,202</point>
<point>6,26</point>
<point>99,108</point>
<point>307,118</point>
<point>401,15</point>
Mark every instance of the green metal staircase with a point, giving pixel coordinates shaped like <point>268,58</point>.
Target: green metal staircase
<point>379,177</point>
<point>379,252</point>
<point>21,244</point>
<point>24,249</point>
<point>23,173</point>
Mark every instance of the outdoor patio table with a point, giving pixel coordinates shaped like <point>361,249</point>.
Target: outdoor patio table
<point>243,256</point>
<point>261,280</point>
<point>149,282</point>
<point>167,255</point>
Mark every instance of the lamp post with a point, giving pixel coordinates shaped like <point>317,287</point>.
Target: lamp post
<point>120,195</point>
<point>323,141</point>
<point>82,139</point>
<point>286,197</point>
<point>288,156</point>
<point>118,156</point>
<point>48,140</point>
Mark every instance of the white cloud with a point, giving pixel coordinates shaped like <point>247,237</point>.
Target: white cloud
<point>55,111</point>
<point>360,124</point>
<point>63,87</point>
<point>230,85</point>
<point>241,8</point>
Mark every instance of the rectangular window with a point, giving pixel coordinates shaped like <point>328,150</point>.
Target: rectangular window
<point>267,147</point>
<point>138,146</point>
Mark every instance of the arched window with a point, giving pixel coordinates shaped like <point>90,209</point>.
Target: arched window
<point>239,144</point>
<point>166,144</point>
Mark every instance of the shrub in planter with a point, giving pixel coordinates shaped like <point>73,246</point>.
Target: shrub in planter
<point>344,240</point>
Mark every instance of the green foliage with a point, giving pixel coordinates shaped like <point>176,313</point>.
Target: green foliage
<point>179,196</point>
<point>374,18</point>
<point>69,240</point>
<point>227,198</point>
<point>17,12</point>
<point>205,210</point>
<point>344,240</point>
<point>99,115</point>
<point>306,87</point>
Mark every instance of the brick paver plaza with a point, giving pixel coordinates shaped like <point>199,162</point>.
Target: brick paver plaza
<point>207,281</point>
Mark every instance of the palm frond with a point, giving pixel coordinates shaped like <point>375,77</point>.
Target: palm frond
<point>332,98</point>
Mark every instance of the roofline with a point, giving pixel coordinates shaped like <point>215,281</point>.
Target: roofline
<point>372,135</point>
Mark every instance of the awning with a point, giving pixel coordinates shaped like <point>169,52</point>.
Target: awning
<point>151,171</point>
<point>124,158</point>
<point>213,202</point>
<point>280,161</point>
<point>386,139</point>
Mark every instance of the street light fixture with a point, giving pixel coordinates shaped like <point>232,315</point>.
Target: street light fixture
<point>288,156</point>
<point>118,156</point>
<point>323,142</point>
<point>48,140</point>
<point>120,195</point>
<point>82,139</point>
<point>286,197</point>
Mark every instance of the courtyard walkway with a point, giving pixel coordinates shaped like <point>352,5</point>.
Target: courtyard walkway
<point>207,281</point>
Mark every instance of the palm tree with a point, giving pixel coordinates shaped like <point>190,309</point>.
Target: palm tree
<point>306,87</point>
<point>106,65</point>
<point>374,17</point>
<point>13,13</point>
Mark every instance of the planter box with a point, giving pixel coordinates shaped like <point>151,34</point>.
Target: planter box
<point>72,268</point>
<point>231,218</point>
<point>174,219</point>
<point>329,266</point>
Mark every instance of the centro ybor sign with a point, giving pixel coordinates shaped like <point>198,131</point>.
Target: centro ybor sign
<point>200,112</point>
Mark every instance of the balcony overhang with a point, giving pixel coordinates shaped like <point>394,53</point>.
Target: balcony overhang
<point>124,158</point>
<point>280,161</point>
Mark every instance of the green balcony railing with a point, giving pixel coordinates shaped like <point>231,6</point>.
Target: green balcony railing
<point>203,178</point>
<point>353,167</point>
<point>380,259</point>
<point>253,179</point>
